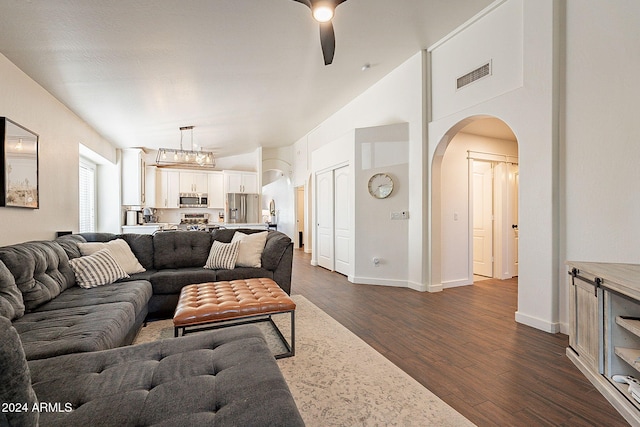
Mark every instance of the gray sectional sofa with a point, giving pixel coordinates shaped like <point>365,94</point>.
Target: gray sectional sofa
<point>175,259</point>
<point>68,345</point>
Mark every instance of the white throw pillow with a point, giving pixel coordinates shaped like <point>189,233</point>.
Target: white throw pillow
<point>97,269</point>
<point>251,247</point>
<point>222,255</point>
<point>120,251</point>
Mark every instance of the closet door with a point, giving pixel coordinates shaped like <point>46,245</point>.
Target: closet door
<point>483,218</point>
<point>341,219</point>
<point>324,211</point>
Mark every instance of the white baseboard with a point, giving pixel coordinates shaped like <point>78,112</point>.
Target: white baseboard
<point>376,281</point>
<point>420,287</point>
<point>437,287</point>
<point>456,283</point>
<point>564,328</point>
<point>534,322</point>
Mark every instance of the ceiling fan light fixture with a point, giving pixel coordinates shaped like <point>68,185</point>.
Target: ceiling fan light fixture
<point>323,11</point>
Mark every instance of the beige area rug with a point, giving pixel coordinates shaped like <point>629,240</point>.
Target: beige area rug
<point>339,380</point>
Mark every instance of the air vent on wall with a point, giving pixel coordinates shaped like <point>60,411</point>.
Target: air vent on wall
<point>475,75</point>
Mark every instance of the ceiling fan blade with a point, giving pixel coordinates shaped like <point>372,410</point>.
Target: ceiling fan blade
<point>307,2</point>
<point>328,41</point>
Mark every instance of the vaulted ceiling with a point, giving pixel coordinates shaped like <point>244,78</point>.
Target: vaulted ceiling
<point>245,73</point>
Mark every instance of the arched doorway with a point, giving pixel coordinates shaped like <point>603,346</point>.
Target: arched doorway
<point>278,201</point>
<point>475,179</point>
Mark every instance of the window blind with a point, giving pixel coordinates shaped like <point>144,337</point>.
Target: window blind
<point>87,196</point>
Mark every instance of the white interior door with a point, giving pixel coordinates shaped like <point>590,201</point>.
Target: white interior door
<point>341,219</point>
<point>514,183</point>
<point>324,224</point>
<point>483,218</point>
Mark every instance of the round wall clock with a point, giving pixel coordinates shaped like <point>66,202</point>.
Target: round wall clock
<point>380,185</point>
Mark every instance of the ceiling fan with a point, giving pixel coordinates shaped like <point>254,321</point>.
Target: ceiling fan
<point>323,12</point>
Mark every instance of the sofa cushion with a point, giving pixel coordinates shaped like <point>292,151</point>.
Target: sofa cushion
<point>136,292</point>
<point>40,268</point>
<point>243,273</point>
<point>171,281</point>
<point>141,244</point>
<point>69,243</point>
<point>145,275</point>
<point>75,330</point>
<point>97,269</point>
<point>224,235</point>
<point>251,247</point>
<point>98,237</point>
<point>15,380</point>
<point>142,247</point>
<point>223,255</point>
<point>223,378</point>
<point>11,302</point>
<point>274,249</point>
<point>120,251</point>
<point>177,249</point>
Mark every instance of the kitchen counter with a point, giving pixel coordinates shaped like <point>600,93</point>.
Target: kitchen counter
<point>151,228</point>
<point>256,226</point>
<point>143,228</point>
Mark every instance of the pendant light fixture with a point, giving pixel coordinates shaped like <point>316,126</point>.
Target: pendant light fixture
<point>185,158</point>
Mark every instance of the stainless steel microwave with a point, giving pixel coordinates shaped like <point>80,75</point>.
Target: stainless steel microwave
<point>194,200</point>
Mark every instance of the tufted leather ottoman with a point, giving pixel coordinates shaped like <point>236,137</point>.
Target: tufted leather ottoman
<point>219,304</point>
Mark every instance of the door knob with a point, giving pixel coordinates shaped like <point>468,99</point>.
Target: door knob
<point>514,226</point>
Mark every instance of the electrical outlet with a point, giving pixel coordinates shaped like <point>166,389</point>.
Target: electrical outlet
<point>400,215</point>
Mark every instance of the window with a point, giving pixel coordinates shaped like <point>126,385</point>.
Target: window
<point>87,196</point>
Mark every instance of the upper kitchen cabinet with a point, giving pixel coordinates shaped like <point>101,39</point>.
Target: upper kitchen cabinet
<point>193,182</point>
<point>133,177</point>
<point>216,190</point>
<point>167,191</point>
<point>241,182</point>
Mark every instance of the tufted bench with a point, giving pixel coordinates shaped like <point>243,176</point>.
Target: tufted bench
<point>224,378</point>
<point>219,304</point>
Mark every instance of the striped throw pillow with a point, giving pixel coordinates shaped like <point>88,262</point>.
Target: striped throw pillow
<point>97,269</point>
<point>223,255</point>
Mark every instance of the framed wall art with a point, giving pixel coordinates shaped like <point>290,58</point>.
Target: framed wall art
<point>19,166</point>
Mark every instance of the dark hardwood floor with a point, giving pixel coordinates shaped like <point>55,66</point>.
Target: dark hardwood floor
<point>464,345</point>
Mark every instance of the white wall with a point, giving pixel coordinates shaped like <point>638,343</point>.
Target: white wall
<point>25,102</point>
<point>282,193</point>
<point>399,97</point>
<point>601,152</point>
<point>455,199</point>
<point>532,113</point>
<point>381,149</point>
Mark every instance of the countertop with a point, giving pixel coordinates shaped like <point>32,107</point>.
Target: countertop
<point>623,278</point>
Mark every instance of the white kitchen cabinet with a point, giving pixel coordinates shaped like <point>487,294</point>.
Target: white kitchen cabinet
<point>193,182</point>
<point>216,190</point>
<point>133,177</point>
<point>241,182</point>
<point>150,186</point>
<point>167,192</point>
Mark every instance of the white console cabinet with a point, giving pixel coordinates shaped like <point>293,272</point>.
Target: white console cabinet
<point>604,328</point>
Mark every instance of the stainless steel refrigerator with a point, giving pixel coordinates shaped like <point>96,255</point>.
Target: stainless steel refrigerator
<point>242,208</point>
